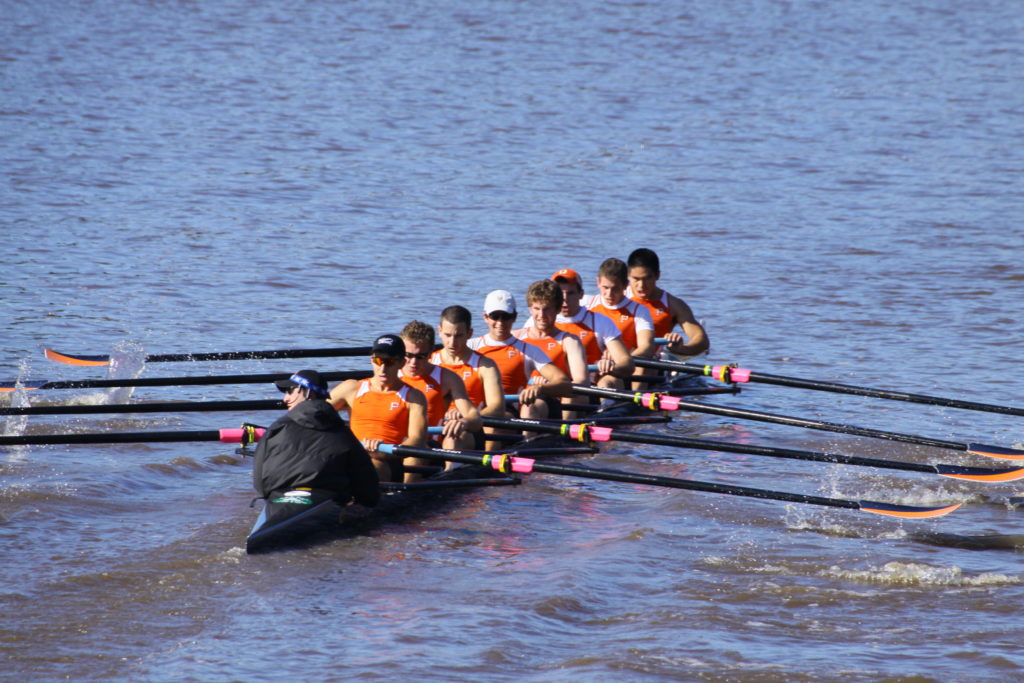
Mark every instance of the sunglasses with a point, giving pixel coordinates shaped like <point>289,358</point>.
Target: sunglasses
<point>417,356</point>
<point>501,316</point>
<point>378,361</point>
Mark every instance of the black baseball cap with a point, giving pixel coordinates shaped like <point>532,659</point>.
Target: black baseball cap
<point>388,346</point>
<point>307,379</point>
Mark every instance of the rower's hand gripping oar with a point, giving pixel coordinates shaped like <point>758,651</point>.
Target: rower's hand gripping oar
<point>589,432</point>
<point>513,464</point>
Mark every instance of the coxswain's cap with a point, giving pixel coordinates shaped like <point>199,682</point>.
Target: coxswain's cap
<point>307,379</point>
<point>568,275</point>
<point>388,346</point>
<point>500,300</point>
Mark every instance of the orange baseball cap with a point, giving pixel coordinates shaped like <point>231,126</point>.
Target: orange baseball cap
<point>568,274</point>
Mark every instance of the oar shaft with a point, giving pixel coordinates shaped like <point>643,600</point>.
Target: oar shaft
<point>817,424</point>
<point>172,407</point>
<point>721,446</point>
<point>111,437</point>
<point>264,378</point>
<point>834,387</point>
<point>636,478</point>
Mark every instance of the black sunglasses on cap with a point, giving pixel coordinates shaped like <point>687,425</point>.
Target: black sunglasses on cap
<point>501,316</point>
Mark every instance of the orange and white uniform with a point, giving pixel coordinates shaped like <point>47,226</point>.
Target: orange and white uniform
<point>380,415</point>
<point>433,391</point>
<point>628,316</point>
<point>661,316</point>
<point>515,359</point>
<point>593,330</point>
<point>551,346</point>
<point>469,372</point>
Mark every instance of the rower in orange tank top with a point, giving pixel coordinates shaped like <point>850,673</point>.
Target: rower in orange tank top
<point>384,410</point>
<point>584,331</point>
<point>661,316</point>
<point>381,415</point>
<point>551,346</point>
<point>468,371</point>
<point>632,319</point>
<point>448,405</point>
<point>667,311</point>
<point>430,387</point>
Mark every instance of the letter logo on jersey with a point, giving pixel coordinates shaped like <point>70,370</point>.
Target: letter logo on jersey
<point>395,405</point>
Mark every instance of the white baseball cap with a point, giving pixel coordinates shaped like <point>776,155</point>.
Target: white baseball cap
<point>500,300</point>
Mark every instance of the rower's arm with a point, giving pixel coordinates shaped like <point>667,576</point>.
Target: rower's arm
<point>340,395</point>
<point>457,392</point>
<point>494,395</point>
<point>557,384</point>
<point>577,358</point>
<point>698,341</point>
<point>644,344</point>
<point>417,435</point>
<point>619,353</point>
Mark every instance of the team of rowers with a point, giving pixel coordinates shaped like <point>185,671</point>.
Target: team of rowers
<point>414,387</point>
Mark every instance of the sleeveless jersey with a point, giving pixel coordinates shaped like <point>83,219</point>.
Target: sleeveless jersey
<point>661,316</point>
<point>380,415</point>
<point>552,348</point>
<point>592,329</point>
<point>469,372</point>
<point>628,317</point>
<point>515,359</point>
<point>433,390</point>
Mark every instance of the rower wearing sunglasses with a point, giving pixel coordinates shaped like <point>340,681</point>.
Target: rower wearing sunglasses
<point>518,360</point>
<point>442,388</point>
<point>384,409</point>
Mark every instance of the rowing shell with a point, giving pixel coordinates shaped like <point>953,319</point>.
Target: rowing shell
<point>300,516</point>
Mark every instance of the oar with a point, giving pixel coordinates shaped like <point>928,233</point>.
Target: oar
<point>247,434</point>
<point>506,463</point>
<point>584,432</point>
<point>72,359</point>
<point>179,381</point>
<point>329,352</point>
<point>171,407</point>
<point>657,401</point>
<point>728,373</point>
<point>244,435</point>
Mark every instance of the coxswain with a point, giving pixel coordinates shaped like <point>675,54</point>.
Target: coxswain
<point>667,311</point>
<point>385,410</point>
<point>442,389</point>
<point>516,359</point>
<point>311,446</point>
<point>599,335</point>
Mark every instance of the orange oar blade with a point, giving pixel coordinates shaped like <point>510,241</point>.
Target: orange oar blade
<point>908,511</point>
<point>980,473</point>
<point>9,386</point>
<point>58,357</point>
<point>1000,452</point>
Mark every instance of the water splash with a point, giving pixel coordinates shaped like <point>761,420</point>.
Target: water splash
<point>127,361</point>
<point>915,574</point>
<point>15,425</point>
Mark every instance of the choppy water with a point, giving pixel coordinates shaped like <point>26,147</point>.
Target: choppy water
<point>834,187</point>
